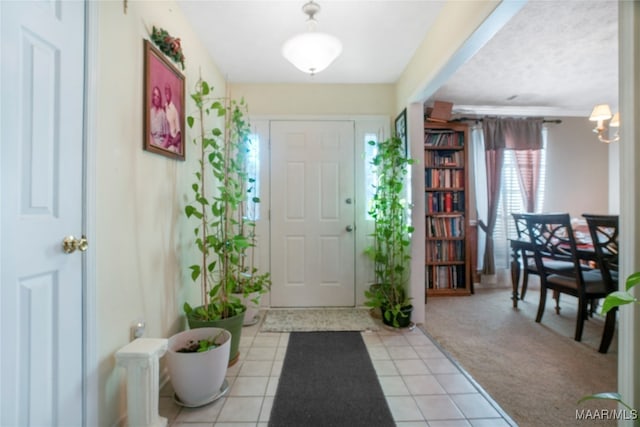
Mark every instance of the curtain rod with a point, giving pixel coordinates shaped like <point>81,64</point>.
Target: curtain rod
<point>556,121</point>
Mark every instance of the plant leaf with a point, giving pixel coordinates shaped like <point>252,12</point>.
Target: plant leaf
<point>189,210</point>
<point>195,272</point>
<point>610,395</point>
<point>616,299</point>
<point>187,308</point>
<point>633,280</point>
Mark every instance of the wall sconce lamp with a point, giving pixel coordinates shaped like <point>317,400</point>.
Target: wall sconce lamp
<point>600,114</point>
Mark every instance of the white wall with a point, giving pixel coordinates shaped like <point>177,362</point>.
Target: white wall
<point>142,238</point>
<point>614,178</point>
<point>577,169</point>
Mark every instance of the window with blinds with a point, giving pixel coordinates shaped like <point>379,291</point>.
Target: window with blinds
<point>511,201</point>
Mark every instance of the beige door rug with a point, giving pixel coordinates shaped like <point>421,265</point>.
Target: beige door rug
<point>318,319</point>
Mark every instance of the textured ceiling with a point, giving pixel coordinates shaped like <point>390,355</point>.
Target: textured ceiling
<point>552,57</point>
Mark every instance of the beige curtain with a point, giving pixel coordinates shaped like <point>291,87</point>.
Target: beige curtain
<point>501,134</point>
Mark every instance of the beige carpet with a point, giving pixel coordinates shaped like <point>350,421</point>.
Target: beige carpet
<point>535,371</point>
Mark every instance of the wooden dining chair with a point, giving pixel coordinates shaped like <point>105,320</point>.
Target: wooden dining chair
<point>554,240</point>
<point>528,259</point>
<point>604,237</point>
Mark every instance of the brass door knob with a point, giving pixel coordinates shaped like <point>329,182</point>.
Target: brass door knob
<point>70,244</point>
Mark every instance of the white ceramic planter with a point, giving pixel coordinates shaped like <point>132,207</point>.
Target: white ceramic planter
<point>252,308</point>
<point>250,315</point>
<point>198,377</point>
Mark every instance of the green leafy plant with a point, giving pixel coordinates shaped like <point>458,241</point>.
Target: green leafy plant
<point>391,250</point>
<point>252,281</point>
<point>618,298</point>
<point>200,346</point>
<point>224,233</point>
<point>614,300</point>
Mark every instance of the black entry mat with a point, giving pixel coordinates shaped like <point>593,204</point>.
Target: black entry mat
<point>328,380</point>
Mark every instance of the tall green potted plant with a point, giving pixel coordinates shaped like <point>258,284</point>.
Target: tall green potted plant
<point>252,284</point>
<point>251,287</point>
<point>223,232</point>
<point>391,250</point>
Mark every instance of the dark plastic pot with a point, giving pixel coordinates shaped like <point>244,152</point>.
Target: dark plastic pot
<point>403,318</point>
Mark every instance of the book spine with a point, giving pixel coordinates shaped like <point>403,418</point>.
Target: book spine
<point>448,202</point>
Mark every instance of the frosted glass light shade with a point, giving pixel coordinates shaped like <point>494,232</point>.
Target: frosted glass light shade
<point>312,52</point>
<point>600,112</point>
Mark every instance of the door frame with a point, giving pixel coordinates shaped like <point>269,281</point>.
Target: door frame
<point>90,335</point>
<point>377,124</point>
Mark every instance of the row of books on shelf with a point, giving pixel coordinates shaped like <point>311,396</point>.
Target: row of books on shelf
<point>453,158</point>
<point>443,138</point>
<point>444,201</point>
<point>445,277</point>
<point>445,226</point>
<point>445,250</point>
<point>444,177</point>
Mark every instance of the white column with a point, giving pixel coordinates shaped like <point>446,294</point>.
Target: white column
<point>629,93</point>
<point>415,137</point>
<point>141,359</point>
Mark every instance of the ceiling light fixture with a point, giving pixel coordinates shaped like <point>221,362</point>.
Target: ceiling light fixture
<point>600,114</point>
<point>313,51</point>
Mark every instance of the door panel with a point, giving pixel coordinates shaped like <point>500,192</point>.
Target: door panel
<point>41,177</point>
<point>312,176</point>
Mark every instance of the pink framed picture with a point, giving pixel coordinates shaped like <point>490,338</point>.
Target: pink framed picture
<point>164,105</point>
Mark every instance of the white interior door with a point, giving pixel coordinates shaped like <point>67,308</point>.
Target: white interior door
<point>312,213</point>
<point>41,174</point>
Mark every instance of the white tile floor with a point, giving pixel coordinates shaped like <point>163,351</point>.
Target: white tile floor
<point>423,386</point>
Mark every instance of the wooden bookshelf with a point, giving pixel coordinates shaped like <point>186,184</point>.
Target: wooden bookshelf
<point>448,267</point>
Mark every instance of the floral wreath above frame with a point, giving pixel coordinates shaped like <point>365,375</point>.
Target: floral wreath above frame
<point>169,45</point>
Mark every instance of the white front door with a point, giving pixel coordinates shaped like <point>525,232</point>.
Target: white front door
<point>312,214</point>
<point>41,189</point>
